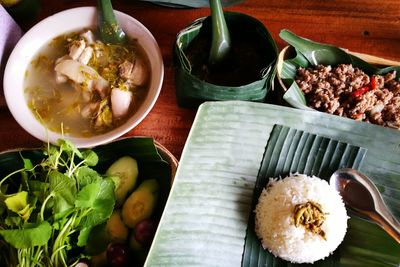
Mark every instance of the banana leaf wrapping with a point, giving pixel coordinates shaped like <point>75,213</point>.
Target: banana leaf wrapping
<point>192,91</point>
<point>305,53</point>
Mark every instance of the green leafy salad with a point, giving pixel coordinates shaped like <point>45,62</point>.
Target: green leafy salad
<point>60,206</point>
<point>48,209</point>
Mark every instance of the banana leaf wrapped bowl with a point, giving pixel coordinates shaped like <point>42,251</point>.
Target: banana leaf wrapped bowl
<point>75,212</point>
<point>253,49</point>
<point>304,54</point>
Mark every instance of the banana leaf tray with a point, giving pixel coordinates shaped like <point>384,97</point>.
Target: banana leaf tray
<point>233,147</point>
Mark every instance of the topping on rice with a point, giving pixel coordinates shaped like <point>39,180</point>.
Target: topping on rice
<point>310,216</point>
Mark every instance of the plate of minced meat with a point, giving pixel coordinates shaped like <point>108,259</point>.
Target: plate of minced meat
<point>347,91</point>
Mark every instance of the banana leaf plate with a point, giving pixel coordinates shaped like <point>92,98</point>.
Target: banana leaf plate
<point>233,147</point>
<point>303,52</point>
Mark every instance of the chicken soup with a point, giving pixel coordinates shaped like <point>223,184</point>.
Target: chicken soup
<point>82,87</point>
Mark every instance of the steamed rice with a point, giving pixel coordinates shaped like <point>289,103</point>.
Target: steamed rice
<point>275,224</point>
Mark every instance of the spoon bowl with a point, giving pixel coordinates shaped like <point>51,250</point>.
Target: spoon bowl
<point>361,195</point>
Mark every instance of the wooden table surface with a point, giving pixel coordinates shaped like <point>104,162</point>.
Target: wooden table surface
<point>367,26</point>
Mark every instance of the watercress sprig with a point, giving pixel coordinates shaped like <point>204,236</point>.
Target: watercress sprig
<point>54,206</point>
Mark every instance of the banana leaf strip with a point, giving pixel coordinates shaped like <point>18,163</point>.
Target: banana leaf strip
<point>191,3</point>
<point>290,150</point>
<point>309,53</point>
<point>192,91</point>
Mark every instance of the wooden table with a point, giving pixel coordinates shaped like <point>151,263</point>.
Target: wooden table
<point>367,26</point>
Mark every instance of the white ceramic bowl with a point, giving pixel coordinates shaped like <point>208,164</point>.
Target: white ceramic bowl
<point>42,33</point>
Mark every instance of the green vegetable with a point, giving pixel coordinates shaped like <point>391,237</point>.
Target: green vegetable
<point>31,235</point>
<point>141,203</point>
<point>18,203</point>
<point>117,231</point>
<point>124,173</point>
<point>97,241</point>
<point>52,206</point>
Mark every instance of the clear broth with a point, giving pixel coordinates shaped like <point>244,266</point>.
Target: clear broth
<point>58,106</point>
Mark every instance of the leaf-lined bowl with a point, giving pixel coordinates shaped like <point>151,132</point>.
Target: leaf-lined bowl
<point>305,53</point>
<point>154,161</point>
<point>192,91</point>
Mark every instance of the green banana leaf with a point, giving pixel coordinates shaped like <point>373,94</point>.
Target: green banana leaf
<point>206,219</point>
<point>192,91</point>
<point>310,53</point>
<point>191,3</point>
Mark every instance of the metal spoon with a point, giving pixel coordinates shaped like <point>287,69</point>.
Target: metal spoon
<point>361,195</point>
<point>109,30</point>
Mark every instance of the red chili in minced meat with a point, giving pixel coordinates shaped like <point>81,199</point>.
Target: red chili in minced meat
<point>349,92</point>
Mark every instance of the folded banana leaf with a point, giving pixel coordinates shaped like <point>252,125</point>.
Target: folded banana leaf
<point>309,53</point>
<point>192,90</point>
<point>191,3</point>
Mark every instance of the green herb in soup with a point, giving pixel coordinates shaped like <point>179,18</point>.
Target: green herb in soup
<point>83,87</point>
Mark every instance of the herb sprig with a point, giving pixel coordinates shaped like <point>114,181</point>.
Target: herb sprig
<point>48,209</point>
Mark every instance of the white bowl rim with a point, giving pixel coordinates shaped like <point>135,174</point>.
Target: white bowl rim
<point>22,113</point>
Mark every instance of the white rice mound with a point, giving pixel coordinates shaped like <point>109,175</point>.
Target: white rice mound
<point>274,223</point>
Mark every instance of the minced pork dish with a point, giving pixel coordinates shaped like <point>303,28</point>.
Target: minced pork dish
<point>349,92</point>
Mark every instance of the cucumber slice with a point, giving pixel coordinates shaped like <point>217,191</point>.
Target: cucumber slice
<point>124,173</point>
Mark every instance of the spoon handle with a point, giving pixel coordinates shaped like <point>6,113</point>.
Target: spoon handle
<point>389,224</point>
<point>109,30</point>
<point>221,41</point>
